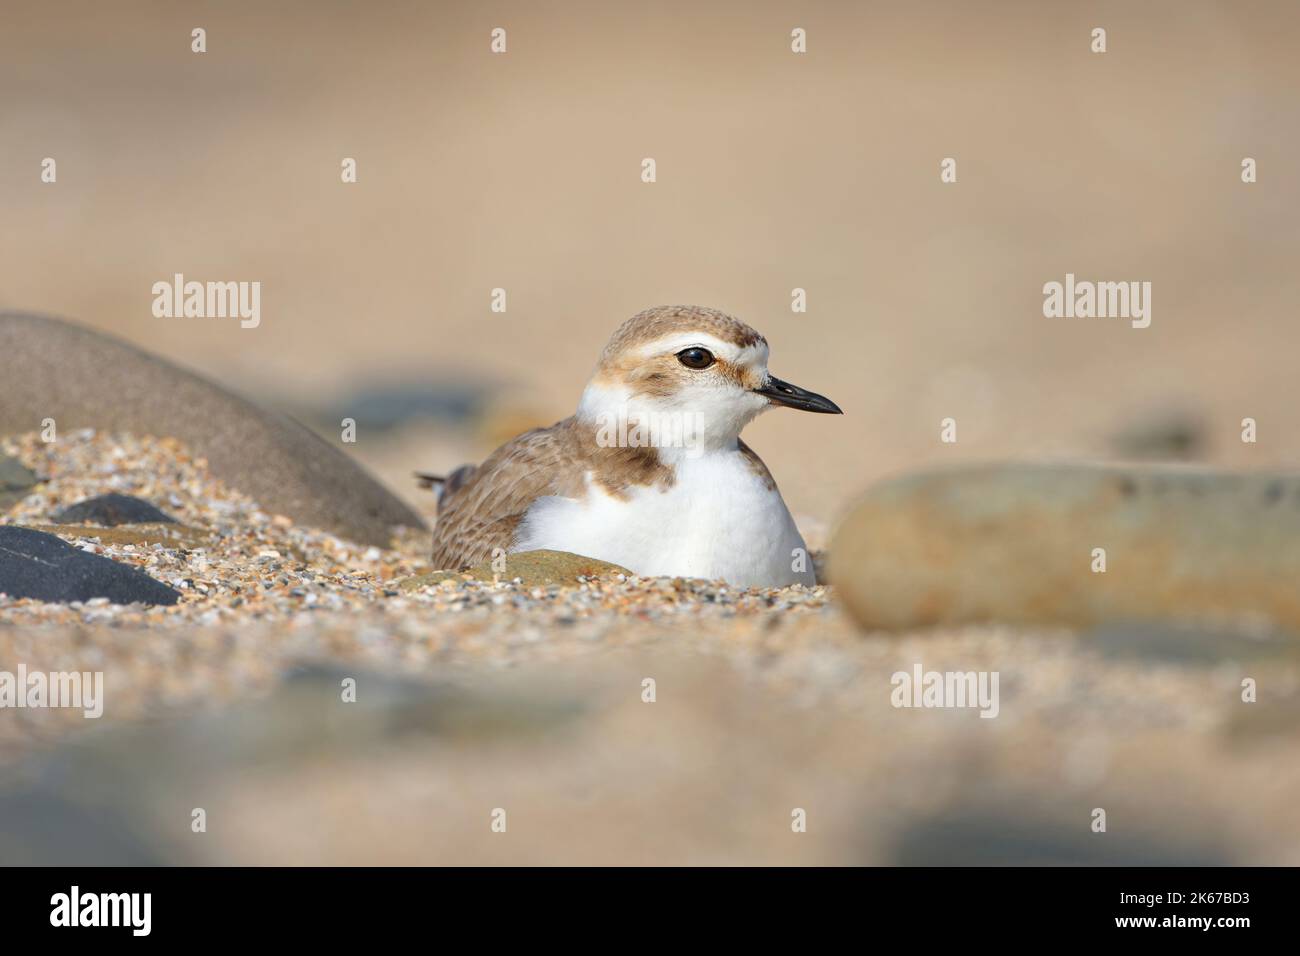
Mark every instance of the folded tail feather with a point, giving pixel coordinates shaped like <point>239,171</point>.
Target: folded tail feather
<point>443,486</point>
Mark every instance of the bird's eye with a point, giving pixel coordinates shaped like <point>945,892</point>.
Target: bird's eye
<point>695,358</point>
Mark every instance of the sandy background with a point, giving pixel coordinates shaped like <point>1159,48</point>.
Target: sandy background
<point>775,171</point>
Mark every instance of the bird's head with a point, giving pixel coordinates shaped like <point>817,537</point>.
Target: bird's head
<point>693,376</point>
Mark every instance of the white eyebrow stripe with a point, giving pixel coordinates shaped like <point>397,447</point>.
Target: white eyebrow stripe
<point>684,340</point>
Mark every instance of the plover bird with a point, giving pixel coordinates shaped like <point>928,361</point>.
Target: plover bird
<point>650,473</point>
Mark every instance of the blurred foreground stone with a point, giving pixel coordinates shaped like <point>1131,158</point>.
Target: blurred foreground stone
<point>712,772</point>
<point>1016,544</point>
<point>81,379</point>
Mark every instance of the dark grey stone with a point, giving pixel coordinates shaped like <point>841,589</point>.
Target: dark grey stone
<point>112,510</point>
<point>37,565</point>
<point>82,379</point>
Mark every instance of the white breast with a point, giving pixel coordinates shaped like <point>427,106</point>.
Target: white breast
<point>717,520</point>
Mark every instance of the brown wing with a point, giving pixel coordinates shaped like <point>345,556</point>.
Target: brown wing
<point>484,511</point>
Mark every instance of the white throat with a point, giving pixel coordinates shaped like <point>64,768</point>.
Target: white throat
<point>680,427</point>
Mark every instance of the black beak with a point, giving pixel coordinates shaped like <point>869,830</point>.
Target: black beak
<point>783,393</point>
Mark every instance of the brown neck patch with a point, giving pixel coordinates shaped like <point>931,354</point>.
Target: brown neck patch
<point>757,467</point>
<point>618,470</point>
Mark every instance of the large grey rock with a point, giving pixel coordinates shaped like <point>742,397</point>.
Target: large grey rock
<point>34,564</point>
<point>1015,543</point>
<point>54,369</point>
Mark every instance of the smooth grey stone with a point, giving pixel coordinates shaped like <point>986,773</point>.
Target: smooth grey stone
<point>1013,544</point>
<point>82,379</point>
